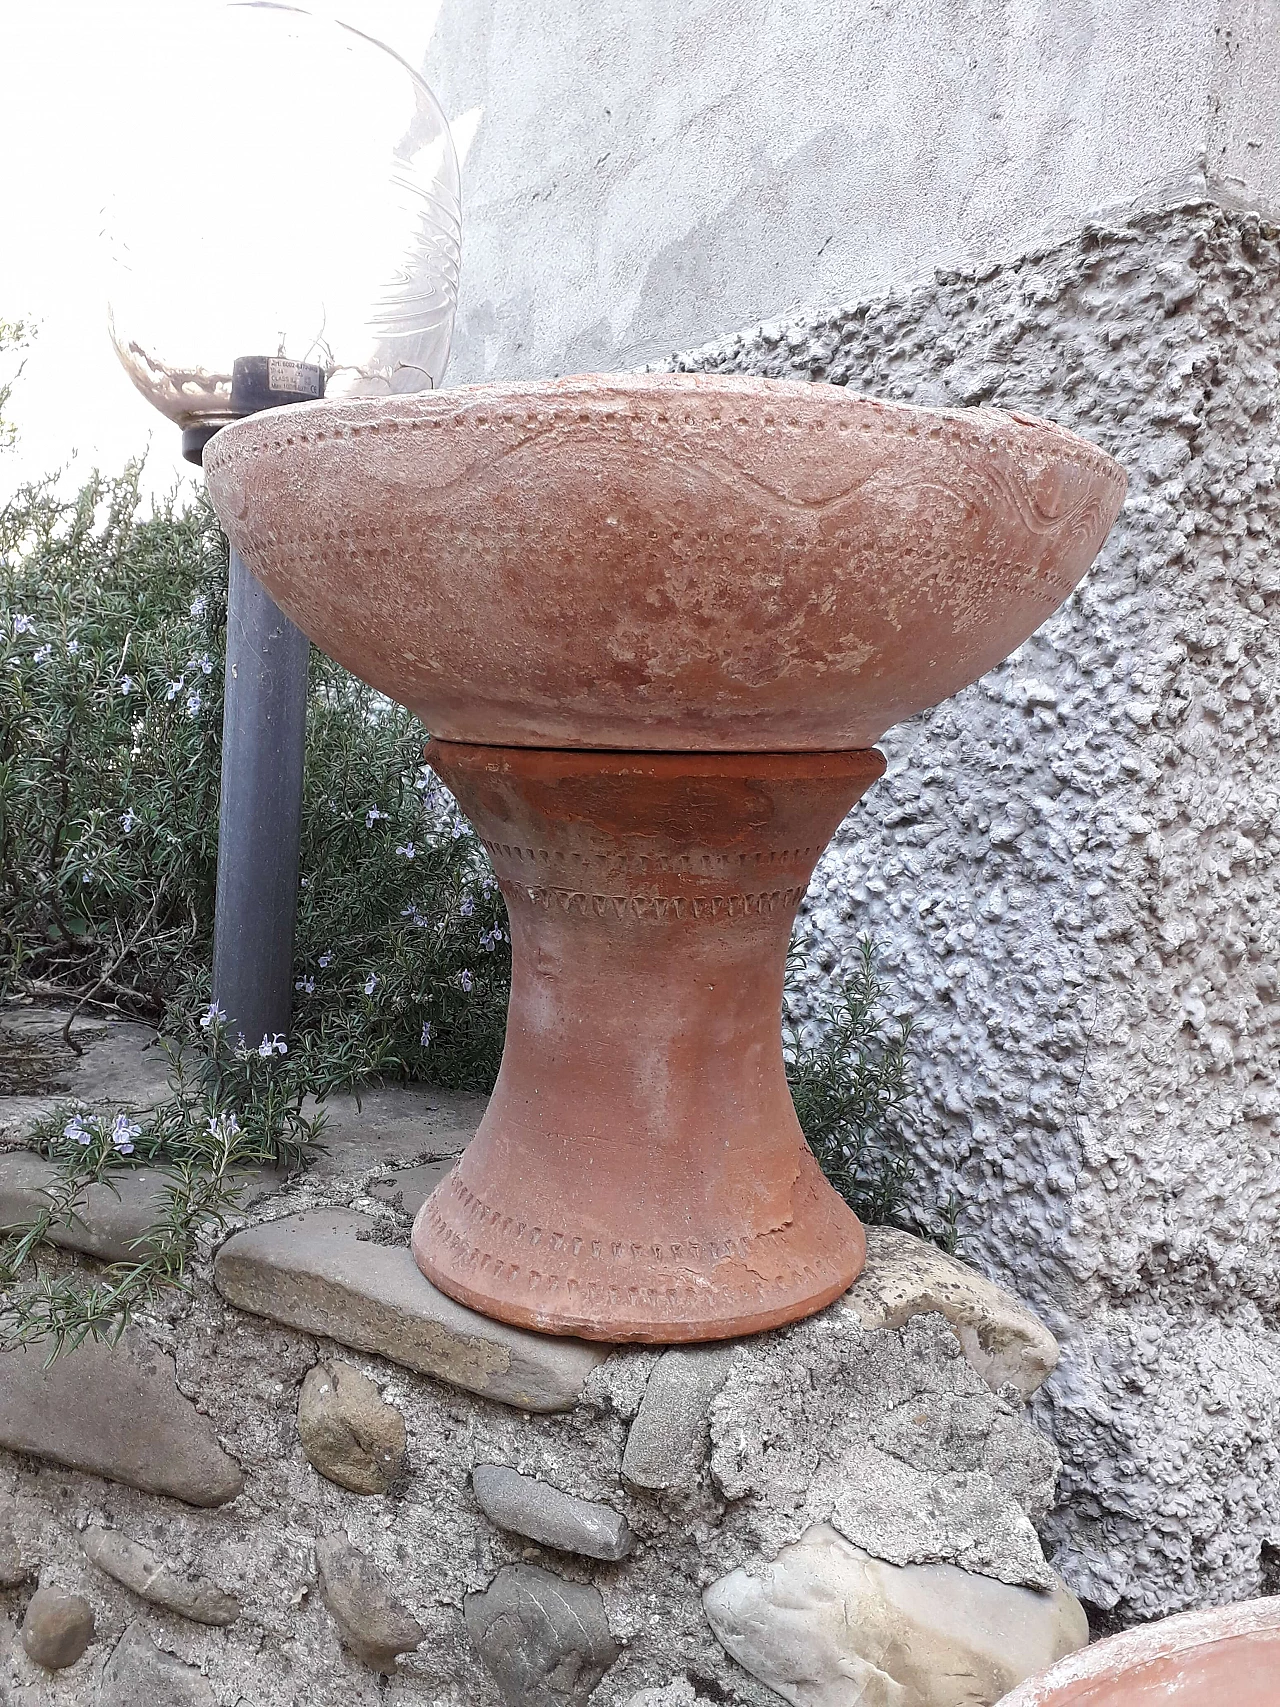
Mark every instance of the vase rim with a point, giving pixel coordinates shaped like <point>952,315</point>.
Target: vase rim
<point>1169,1639</point>
<point>574,391</point>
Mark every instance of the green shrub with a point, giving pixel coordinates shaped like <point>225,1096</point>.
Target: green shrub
<point>848,1068</point>
<point>111,646</point>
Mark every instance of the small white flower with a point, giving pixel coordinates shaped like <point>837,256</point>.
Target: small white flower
<point>73,646</point>
<point>370,983</point>
<point>22,624</point>
<point>407,851</point>
<point>223,1127</point>
<point>199,605</point>
<point>326,957</point>
<point>41,653</point>
<point>123,1133</point>
<point>174,688</point>
<point>206,664</point>
<point>459,828</point>
<point>129,821</point>
<point>372,815</point>
<point>88,876</point>
<point>272,1045</point>
<point>76,1130</point>
<point>126,685</point>
<point>464,980</point>
<point>212,1015</point>
<point>193,704</point>
<point>426,1033</point>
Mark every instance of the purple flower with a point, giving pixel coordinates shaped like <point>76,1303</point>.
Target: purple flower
<point>307,984</point>
<point>212,1015</point>
<point>41,653</point>
<point>129,821</point>
<point>199,605</point>
<point>194,703</point>
<point>467,906</point>
<point>370,983</point>
<point>408,851</point>
<point>123,1133</point>
<point>76,1130</point>
<point>426,1033</point>
<point>326,957</point>
<point>272,1045</point>
<point>371,817</point>
<point>464,980</point>
<point>126,685</point>
<point>22,624</point>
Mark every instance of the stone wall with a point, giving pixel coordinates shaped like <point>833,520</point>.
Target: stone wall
<point>649,173</point>
<point>317,1479</point>
<point>1072,868</point>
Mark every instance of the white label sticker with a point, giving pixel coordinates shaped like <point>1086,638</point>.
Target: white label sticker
<point>284,375</point>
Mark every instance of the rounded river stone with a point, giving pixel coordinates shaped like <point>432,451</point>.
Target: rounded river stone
<point>58,1628</point>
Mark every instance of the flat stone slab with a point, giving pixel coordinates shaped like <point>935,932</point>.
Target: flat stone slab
<point>394,1123</point>
<point>114,1411</point>
<point>410,1188</point>
<point>314,1272</point>
<point>122,1066</point>
<point>906,1277</point>
<point>110,1219</point>
<point>528,1506</point>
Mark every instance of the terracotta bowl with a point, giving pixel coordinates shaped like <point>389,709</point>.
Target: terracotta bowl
<point>654,625</point>
<point>1226,1658</point>
<point>662,562</point>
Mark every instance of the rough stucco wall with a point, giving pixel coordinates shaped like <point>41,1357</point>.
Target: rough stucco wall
<point>1073,870</point>
<point>649,173</point>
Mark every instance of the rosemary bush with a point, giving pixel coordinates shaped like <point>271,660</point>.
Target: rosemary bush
<point>849,1073</point>
<point>111,647</point>
<point>111,653</point>
<point>233,1109</point>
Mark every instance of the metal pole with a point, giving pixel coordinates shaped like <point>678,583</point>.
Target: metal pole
<point>264,729</point>
<point>264,723</point>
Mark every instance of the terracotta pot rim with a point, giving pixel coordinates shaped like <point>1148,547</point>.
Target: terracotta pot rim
<point>1167,1639</point>
<point>598,392</point>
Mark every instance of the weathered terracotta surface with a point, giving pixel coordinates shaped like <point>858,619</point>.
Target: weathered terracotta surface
<point>655,623</point>
<point>640,1173</point>
<point>1226,1658</point>
<point>666,562</point>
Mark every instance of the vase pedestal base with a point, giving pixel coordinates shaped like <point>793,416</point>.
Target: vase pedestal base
<point>640,1174</point>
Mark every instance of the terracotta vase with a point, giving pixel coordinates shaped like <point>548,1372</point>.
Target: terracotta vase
<point>1229,1657</point>
<point>655,624</point>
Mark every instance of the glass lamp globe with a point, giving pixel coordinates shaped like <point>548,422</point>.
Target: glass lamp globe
<point>285,221</point>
